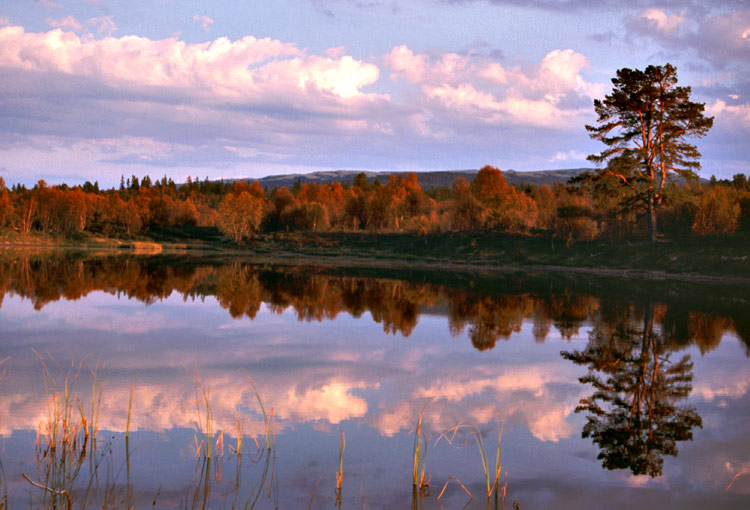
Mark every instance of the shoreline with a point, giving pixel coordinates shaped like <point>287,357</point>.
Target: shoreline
<point>372,261</point>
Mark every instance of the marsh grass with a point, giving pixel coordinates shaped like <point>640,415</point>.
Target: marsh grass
<point>340,472</point>
<point>67,441</point>
<point>208,486</point>
<point>62,440</point>
<point>266,419</point>
<point>496,492</point>
<point>420,479</point>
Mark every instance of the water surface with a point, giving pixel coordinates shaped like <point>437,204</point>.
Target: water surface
<point>655,375</point>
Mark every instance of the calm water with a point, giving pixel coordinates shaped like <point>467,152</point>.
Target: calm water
<point>655,375</point>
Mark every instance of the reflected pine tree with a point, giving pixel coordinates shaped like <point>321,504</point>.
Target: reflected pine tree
<point>633,414</point>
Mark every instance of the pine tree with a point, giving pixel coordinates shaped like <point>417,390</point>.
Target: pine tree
<point>644,122</point>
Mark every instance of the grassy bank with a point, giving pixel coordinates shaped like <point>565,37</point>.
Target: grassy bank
<point>725,256</point>
<point>711,256</point>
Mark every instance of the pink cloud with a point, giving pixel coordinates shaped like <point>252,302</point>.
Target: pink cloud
<point>66,23</point>
<point>659,20</point>
<point>484,91</point>
<point>204,21</point>
<point>406,64</point>
<point>245,69</point>
<point>104,25</point>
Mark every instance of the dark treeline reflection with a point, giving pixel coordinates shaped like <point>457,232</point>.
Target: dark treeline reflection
<point>488,307</point>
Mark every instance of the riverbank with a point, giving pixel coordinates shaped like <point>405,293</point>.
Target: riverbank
<point>705,258</point>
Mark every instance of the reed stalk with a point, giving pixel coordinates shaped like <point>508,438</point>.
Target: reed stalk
<point>421,443</point>
<point>205,417</point>
<point>491,478</point>
<point>266,420</point>
<point>340,472</point>
<point>62,441</point>
<point>128,483</point>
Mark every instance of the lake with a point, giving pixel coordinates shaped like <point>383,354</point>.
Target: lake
<point>197,382</point>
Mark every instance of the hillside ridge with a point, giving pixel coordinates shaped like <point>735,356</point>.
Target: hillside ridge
<point>427,180</point>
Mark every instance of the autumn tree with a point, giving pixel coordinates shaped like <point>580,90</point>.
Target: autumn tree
<point>717,212</point>
<point>6,207</point>
<point>240,214</point>
<point>467,213</point>
<point>644,123</point>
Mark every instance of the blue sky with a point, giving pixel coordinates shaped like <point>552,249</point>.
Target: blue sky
<point>93,89</point>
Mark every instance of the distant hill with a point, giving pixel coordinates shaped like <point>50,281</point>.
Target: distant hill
<point>428,180</point>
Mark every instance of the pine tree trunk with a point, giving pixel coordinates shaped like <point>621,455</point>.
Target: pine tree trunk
<point>651,218</point>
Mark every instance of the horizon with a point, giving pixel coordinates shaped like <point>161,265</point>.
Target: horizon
<point>95,90</point>
<point>369,173</point>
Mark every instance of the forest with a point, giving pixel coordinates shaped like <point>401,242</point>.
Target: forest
<point>575,211</point>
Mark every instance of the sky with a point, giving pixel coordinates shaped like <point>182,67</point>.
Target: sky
<point>96,89</point>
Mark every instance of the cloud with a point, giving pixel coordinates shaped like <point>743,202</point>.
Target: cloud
<point>283,105</point>
<point>262,94</point>
<point>245,69</point>
<point>524,395</point>
<point>722,39</point>
<point>551,94</point>
<point>735,386</point>
<point>566,156</point>
<point>657,21</point>
<point>406,64</point>
<point>737,115</point>
<point>67,23</point>
<point>331,402</point>
<point>104,25</point>
<point>204,21</point>
<point>718,37</point>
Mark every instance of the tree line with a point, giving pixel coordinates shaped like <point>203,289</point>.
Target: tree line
<point>582,210</point>
<point>647,187</point>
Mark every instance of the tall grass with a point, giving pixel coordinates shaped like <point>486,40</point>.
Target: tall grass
<point>67,441</point>
<point>266,419</point>
<point>496,493</point>
<point>62,440</point>
<point>340,472</point>
<point>421,443</point>
<point>492,478</point>
<point>210,453</point>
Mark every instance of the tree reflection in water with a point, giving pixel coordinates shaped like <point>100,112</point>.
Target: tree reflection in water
<point>633,414</point>
<point>488,307</point>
